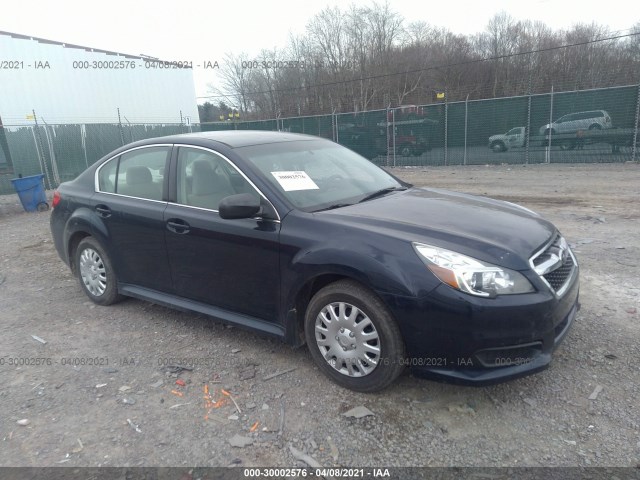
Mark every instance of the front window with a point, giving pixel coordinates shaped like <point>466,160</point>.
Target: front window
<point>314,175</point>
<point>205,178</point>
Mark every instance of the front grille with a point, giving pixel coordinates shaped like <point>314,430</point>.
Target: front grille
<point>555,264</point>
<point>558,278</point>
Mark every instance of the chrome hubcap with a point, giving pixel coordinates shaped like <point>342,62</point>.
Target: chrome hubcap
<point>347,339</point>
<point>92,271</point>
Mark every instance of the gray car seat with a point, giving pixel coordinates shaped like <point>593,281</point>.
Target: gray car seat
<point>208,187</point>
<point>139,183</point>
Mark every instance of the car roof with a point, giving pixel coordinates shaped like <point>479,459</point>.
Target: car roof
<point>234,138</point>
<point>586,111</point>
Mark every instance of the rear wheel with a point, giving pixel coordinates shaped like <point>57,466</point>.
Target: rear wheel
<point>498,147</point>
<point>353,338</point>
<point>95,273</point>
<point>595,126</point>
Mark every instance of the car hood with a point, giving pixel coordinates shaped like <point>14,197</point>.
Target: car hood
<point>496,137</point>
<point>498,232</point>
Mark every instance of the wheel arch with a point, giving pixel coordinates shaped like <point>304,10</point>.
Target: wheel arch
<point>299,302</point>
<point>310,270</point>
<point>83,223</point>
<point>297,305</point>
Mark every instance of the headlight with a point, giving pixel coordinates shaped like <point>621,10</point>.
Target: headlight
<point>470,275</point>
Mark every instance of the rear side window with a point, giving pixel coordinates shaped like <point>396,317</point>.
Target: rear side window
<point>138,173</point>
<point>107,176</point>
<point>588,115</point>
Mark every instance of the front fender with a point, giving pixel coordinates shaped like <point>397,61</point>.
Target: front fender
<point>369,262</point>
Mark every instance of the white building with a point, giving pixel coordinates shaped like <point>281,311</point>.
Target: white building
<point>65,83</point>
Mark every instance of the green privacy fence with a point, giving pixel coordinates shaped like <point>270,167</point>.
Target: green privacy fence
<point>599,125</point>
<point>61,152</point>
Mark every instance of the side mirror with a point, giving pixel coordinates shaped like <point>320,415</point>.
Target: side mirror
<point>243,205</point>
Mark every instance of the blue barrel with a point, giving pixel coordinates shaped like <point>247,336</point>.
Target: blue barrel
<point>31,192</point>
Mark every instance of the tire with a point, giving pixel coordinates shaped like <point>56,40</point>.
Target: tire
<point>368,364</point>
<point>95,272</point>
<point>498,147</point>
<point>595,126</point>
<point>405,151</point>
<point>568,145</point>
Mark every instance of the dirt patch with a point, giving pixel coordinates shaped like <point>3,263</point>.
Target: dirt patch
<point>103,389</point>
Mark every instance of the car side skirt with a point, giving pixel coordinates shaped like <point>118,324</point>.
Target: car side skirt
<point>184,304</point>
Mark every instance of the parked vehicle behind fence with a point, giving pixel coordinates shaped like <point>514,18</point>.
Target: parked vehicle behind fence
<point>573,122</point>
<point>516,137</point>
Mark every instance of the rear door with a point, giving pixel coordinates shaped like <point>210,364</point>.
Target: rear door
<point>130,200</point>
<point>231,264</point>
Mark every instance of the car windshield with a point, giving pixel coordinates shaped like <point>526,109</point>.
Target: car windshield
<point>317,175</point>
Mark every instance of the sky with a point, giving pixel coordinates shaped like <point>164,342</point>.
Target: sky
<point>201,30</point>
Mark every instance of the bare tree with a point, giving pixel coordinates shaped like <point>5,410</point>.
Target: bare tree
<point>236,81</point>
<point>368,57</point>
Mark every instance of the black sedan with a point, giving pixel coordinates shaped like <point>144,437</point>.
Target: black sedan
<point>303,239</point>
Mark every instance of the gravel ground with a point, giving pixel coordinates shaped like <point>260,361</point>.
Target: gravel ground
<point>117,404</point>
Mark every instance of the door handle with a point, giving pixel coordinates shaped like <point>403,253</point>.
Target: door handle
<point>176,225</point>
<point>103,211</point>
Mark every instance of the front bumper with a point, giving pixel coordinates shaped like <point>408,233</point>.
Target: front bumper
<point>463,339</point>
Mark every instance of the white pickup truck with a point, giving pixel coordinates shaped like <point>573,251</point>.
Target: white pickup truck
<point>516,137</point>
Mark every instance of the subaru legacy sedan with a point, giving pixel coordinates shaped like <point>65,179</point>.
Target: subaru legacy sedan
<point>302,239</point>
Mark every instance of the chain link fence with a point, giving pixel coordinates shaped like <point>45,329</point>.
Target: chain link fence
<point>599,125</point>
<point>62,152</point>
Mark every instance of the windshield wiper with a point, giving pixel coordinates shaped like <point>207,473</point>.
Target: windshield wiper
<point>381,192</point>
<point>331,207</point>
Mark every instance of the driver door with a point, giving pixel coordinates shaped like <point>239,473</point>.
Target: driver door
<point>231,264</point>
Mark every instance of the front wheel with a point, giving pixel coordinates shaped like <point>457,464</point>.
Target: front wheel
<point>568,145</point>
<point>405,151</point>
<point>353,338</point>
<point>95,273</point>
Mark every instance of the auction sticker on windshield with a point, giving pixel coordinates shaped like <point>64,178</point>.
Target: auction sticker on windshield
<point>291,181</point>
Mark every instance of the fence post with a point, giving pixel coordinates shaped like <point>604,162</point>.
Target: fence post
<point>528,128</point>
<point>466,113</point>
<point>120,127</point>
<point>386,129</point>
<point>52,155</point>
<point>634,148</point>
<point>83,140</point>
<point>35,144</point>
<point>393,134</point>
<point>40,148</point>
<point>333,125</point>
<point>446,127</point>
<point>548,152</point>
